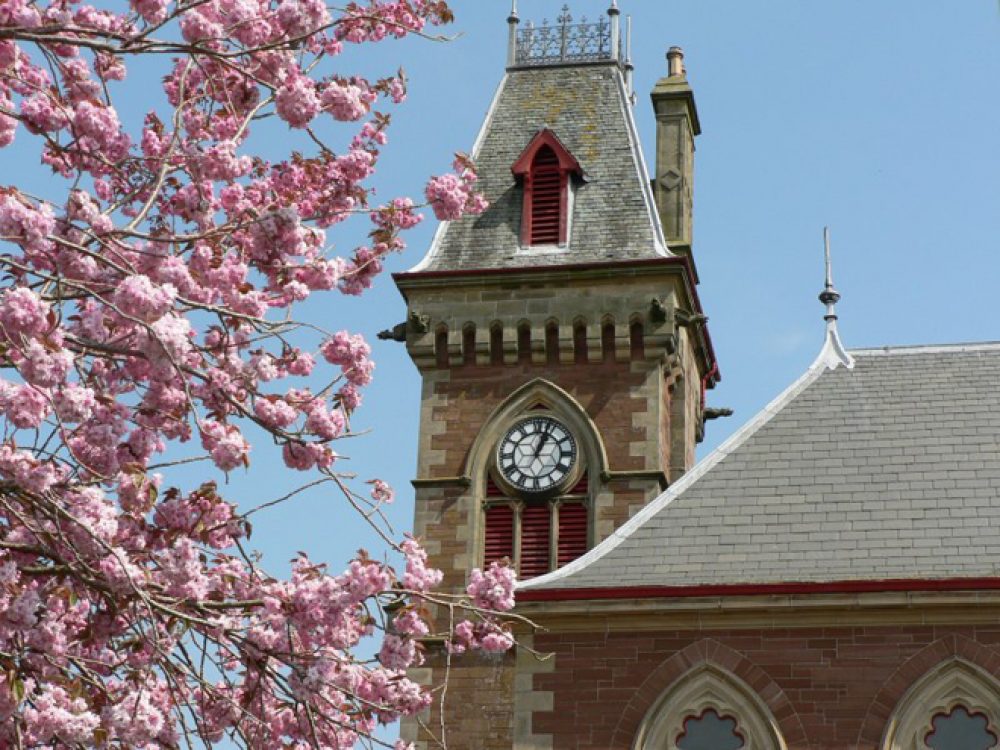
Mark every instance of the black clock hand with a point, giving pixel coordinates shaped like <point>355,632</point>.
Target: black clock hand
<point>541,442</point>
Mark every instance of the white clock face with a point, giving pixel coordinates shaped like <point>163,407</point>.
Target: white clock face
<point>536,454</point>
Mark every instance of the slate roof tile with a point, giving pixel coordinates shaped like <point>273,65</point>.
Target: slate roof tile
<point>612,217</point>
<point>887,470</point>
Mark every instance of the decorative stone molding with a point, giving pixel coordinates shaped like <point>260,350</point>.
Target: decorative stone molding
<point>708,687</point>
<point>954,682</point>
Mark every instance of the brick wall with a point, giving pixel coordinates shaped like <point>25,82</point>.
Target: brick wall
<point>828,687</point>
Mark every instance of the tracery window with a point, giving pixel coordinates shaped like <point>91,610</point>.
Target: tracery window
<point>960,730</point>
<point>709,708</point>
<point>955,706</point>
<point>709,731</point>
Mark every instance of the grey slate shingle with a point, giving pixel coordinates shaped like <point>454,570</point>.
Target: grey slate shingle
<point>584,105</point>
<point>887,471</point>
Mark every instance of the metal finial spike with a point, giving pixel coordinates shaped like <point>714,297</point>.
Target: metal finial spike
<point>826,249</point>
<point>829,296</point>
<point>833,354</point>
<point>513,9</point>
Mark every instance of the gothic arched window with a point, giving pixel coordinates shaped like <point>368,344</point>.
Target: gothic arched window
<point>545,170</point>
<point>955,706</point>
<point>709,708</point>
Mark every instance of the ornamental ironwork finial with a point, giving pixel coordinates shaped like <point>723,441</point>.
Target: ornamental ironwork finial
<point>565,41</point>
<point>833,354</point>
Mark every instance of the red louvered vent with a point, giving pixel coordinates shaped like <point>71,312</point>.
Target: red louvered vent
<point>491,488</point>
<point>546,198</point>
<point>572,532</point>
<point>499,533</point>
<point>535,523</point>
<point>580,488</point>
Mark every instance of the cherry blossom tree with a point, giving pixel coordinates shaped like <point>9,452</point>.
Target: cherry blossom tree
<point>147,303</point>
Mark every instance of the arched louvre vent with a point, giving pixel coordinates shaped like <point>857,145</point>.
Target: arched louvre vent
<point>572,532</point>
<point>546,198</point>
<point>492,490</point>
<point>499,533</point>
<point>536,522</point>
<point>544,169</point>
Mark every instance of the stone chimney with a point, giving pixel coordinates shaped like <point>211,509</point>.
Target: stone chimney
<point>676,126</point>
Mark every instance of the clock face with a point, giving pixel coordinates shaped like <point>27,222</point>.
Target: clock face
<point>536,454</point>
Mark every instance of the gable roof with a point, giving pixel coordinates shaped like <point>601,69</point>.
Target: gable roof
<point>613,217</point>
<point>889,470</point>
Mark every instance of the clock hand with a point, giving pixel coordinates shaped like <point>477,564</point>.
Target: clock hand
<point>541,442</point>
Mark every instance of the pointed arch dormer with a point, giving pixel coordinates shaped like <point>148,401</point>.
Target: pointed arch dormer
<point>545,170</point>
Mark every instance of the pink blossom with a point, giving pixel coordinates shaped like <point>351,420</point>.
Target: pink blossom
<point>23,313</point>
<point>43,367</point>
<point>26,225</point>
<point>55,714</point>
<point>397,653</point>
<point>296,102</point>
<point>24,406</point>
<point>74,403</point>
<point>225,444</point>
<point>153,11</point>
<point>41,114</point>
<point>304,456</point>
<point>346,101</point>
<point>381,492</point>
<point>139,297</point>
<point>325,424</point>
<point>275,412</point>
<point>492,589</point>
<point>300,17</point>
<point>418,576</point>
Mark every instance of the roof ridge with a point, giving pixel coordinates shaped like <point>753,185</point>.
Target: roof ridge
<point>734,442</point>
<point>903,349</point>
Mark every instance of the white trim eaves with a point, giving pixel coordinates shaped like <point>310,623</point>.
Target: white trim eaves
<point>735,441</point>
<point>640,167</point>
<point>442,227</point>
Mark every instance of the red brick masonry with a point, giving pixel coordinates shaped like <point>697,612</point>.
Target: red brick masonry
<point>828,687</point>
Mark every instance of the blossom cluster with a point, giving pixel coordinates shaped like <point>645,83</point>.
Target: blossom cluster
<point>150,305</point>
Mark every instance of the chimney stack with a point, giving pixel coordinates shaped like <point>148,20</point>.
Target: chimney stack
<point>676,126</point>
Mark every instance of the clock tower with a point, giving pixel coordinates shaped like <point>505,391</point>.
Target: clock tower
<point>563,350</point>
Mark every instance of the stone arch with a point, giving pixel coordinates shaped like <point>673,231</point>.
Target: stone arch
<point>696,671</point>
<point>560,403</point>
<point>952,683</point>
<point>708,687</point>
<point>885,705</point>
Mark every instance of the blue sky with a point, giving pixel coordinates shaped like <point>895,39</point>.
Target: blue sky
<point>879,119</point>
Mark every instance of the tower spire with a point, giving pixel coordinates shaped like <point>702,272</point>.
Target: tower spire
<point>833,353</point>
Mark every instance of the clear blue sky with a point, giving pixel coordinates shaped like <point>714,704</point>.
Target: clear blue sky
<point>879,119</point>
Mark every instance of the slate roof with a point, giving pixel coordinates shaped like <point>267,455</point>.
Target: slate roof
<point>889,470</point>
<point>613,215</point>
